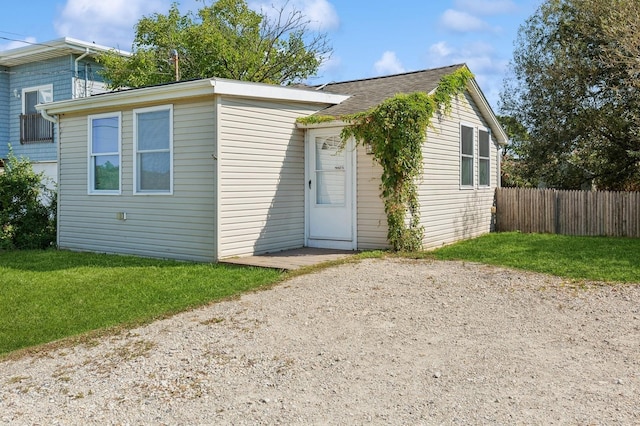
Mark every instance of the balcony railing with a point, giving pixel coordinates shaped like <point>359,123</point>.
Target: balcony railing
<point>34,129</point>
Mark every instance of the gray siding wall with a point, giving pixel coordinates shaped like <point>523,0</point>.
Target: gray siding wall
<point>180,226</point>
<point>372,221</point>
<point>59,72</point>
<point>449,213</point>
<point>261,177</point>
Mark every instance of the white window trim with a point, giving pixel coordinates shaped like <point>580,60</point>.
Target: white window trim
<point>484,129</point>
<point>43,88</point>
<point>135,149</point>
<point>90,168</point>
<point>474,157</point>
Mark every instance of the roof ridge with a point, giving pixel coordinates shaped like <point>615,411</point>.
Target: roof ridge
<point>391,75</point>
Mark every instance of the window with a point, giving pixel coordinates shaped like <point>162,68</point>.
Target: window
<point>484,158</point>
<point>104,154</point>
<point>33,127</point>
<point>153,163</point>
<point>466,155</point>
<point>330,171</point>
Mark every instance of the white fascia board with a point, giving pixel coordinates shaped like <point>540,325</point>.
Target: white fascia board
<point>189,89</point>
<point>271,91</point>
<point>130,97</point>
<point>92,46</point>
<point>487,112</point>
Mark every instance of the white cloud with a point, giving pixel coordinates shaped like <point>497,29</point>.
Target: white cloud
<point>440,49</point>
<point>16,44</point>
<point>463,22</point>
<point>112,22</point>
<point>321,14</point>
<point>388,64</point>
<point>487,7</point>
<point>482,59</point>
<point>480,56</point>
<point>108,23</point>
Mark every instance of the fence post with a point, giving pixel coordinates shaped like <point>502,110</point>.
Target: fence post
<point>557,212</point>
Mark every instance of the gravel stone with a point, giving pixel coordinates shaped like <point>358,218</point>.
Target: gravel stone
<point>364,342</point>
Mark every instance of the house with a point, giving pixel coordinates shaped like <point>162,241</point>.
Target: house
<point>211,169</point>
<point>38,73</point>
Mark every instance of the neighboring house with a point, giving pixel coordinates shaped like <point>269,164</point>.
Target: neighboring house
<point>39,73</point>
<point>210,169</point>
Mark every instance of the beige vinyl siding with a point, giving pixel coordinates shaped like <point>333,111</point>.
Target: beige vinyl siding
<point>261,176</point>
<point>180,226</point>
<point>448,212</point>
<point>372,221</point>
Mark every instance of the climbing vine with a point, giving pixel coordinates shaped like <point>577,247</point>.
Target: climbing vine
<point>396,129</point>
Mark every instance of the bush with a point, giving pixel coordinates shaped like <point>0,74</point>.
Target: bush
<point>27,207</point>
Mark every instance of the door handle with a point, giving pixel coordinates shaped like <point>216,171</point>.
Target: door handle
<point>309,183</point>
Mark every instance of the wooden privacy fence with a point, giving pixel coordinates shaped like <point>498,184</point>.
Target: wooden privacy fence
<point>592,213</point>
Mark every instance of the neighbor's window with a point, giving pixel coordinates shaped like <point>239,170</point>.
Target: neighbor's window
<point>153,139</point>
<point>104,154</point>
<point>33,127</point>
<point>484,158</point>
<point>466,155</point>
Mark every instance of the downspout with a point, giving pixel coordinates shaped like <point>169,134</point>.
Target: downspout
<point>48,117</point>
<point>77,60</point>
<point>54,120</point>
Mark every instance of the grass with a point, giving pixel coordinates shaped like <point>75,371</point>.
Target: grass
<point>582,258</point>
<point>50,295</point>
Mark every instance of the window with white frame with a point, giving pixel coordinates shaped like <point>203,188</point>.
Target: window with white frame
<point>104,154</point>
<point>153,141</point>
<point>466,155</point>
<point>484,158</point>
<point>33,127</point>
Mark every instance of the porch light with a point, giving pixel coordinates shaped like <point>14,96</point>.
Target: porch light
<point>368,148</point>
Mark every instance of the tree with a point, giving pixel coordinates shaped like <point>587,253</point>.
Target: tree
<point>513,172</point>
<point>226,39</point>
<point>27,207</point>
<point>578,105</point>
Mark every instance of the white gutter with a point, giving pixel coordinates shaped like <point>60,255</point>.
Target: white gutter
<point>46,116</point>
<point>77,60</point>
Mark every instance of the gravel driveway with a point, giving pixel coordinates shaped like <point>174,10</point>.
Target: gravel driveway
<point>376,342</point>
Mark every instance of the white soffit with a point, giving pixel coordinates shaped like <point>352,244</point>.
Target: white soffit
<point>269,91</point>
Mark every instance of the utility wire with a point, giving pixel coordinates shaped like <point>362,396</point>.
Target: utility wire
<point>23,41</point>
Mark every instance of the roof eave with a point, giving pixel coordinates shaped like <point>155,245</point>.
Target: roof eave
<point>189,89</point>
<point>487,112</point>
<point>228,87</point>
<point>130,97</point>
<point>25,54</point>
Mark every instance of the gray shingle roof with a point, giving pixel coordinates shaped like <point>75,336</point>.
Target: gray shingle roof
<point>367,93</point>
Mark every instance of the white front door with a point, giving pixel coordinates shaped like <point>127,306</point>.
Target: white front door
<point>330,191</point>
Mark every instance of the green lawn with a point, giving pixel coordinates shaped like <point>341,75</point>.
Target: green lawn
<point>49,295</point>
<point>584,258</point>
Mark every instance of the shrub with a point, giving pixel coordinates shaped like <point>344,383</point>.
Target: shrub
<point>27,207</point>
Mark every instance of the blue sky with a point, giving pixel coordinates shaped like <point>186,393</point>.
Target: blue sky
<point>369,38</point>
